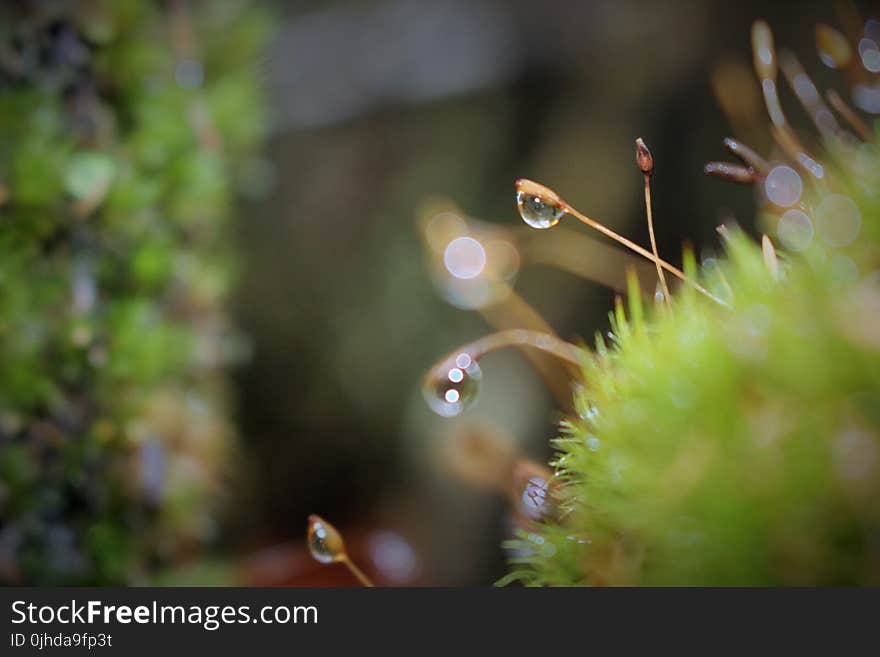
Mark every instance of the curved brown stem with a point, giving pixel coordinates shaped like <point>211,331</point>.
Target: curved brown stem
<point>520,338</point>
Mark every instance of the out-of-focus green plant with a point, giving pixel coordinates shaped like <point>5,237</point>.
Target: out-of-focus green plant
<point>123,126</point>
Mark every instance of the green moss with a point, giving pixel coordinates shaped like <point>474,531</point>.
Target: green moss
<point>114,267</point>
<point>731,446</point>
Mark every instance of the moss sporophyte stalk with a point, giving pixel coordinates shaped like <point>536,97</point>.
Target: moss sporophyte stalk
<point>727,432</point>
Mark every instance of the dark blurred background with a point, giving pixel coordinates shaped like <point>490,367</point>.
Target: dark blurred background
<point>378,105</point>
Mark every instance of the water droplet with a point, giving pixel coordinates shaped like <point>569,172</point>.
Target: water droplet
<point>783,186</point>
<point>325,542</point>
<point>538,206</point>
<point>455,387</point>
<point>659,296</point>
<point>834,49</point>
<point>838,220</point>
<point>795,230</point>
<point>536,213</point>
<point>531,489</point>
<point>534,497</point>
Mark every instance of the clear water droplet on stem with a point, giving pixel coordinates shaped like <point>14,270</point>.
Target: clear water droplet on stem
<point>538,206</point>
<point>325,542</point>
<point>454,387</point>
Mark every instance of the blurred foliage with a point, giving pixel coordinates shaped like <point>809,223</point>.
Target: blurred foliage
<point>741,445</point>
<point>122,128</point>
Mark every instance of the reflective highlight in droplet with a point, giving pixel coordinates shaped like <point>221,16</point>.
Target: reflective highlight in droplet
<point>325,542</point>
<point>465,258</point>
<point>538,206</point>
<point>838,220</point>
<point>783,186</point>
<point>795,230</point>
<point>450,392</point>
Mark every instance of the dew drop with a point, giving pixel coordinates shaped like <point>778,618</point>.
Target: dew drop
<point>783,186</point>
<point>538,206</point>
<point>531,488</point>
<point>534,498</point>
<point>455,388</point>
<point>536,213</point>
<point>659,296</point>
<point>325,542</point>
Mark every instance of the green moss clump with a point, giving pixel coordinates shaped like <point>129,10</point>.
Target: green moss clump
<point>122,127</point>
<point>741,445</point>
